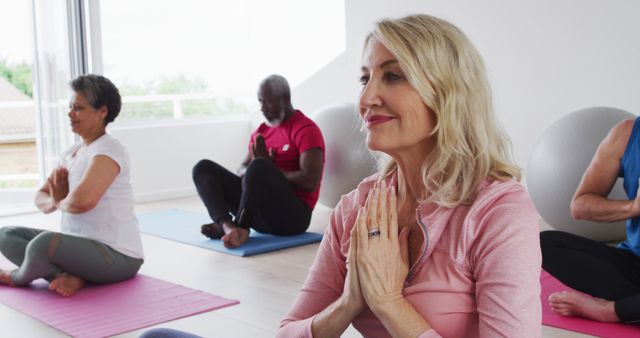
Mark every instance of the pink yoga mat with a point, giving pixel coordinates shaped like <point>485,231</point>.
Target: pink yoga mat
<point>550,285</point>
<point>107,310</point>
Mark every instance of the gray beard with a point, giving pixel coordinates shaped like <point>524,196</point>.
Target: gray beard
<point>273,123</point>
<point>277,121</point>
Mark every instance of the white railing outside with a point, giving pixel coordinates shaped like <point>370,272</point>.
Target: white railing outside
<point>17,104</point>
<point>177,106</point>
<point>177,113</point>
<point>19,177</point>
<point>176,100</point>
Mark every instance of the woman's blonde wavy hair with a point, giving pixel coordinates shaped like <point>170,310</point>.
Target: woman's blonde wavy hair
<point>445,68</point>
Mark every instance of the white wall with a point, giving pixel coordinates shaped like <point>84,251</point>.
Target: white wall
<point>162,156</point>
<point>545,58</point>
<point>327,86</point>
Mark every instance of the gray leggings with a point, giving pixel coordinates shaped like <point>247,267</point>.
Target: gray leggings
<point>45,254</point>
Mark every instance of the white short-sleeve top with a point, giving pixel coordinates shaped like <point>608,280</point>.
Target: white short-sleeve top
<point>112,221</point>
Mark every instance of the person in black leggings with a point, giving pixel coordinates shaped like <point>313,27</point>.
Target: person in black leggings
<point>263,198</point>
<point>610,274</point>
<point>279,181</point>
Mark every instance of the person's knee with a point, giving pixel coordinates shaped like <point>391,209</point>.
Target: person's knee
<point>6,234</point>
<point>259,169</point>
<point>546,237</point>
<point>553,238</point>
<point>166,333</point>
<point>155,333</point>
<point>203,167</point>
<point>6,242</point>
<point>553,244</point>
<point>44,245</point>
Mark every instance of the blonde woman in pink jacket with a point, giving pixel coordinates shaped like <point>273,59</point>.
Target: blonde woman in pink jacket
<point>444,240</point>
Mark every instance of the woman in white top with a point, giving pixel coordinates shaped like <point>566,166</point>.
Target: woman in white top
<point>99,240</point>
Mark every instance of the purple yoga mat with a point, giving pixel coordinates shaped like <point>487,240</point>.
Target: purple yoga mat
<point>550,285</point>
<point>107,310</point>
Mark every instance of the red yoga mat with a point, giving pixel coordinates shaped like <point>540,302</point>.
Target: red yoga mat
<point>550,285</point>
<point>107,310</point>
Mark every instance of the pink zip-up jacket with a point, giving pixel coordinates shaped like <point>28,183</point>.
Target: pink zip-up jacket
<point>478,273</point>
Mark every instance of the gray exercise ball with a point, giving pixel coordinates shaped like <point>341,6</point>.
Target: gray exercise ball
<point>347,159</point>
<point>558,161</point>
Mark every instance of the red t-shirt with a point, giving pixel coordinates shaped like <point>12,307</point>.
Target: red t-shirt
<point>289,140</point>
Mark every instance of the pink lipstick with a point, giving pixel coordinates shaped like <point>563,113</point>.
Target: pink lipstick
<point>377,119</point>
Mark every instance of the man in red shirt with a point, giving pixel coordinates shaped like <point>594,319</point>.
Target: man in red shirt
<point>278,183</point>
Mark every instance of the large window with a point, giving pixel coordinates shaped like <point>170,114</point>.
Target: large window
<point>37,61</point>
<point>173,61</point>
<point>189,59</point>
<point>18,152</point>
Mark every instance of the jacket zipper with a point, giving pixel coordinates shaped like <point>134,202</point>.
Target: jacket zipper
<point>413,269</point>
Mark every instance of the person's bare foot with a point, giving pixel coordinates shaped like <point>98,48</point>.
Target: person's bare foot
<point>212,230</point>
<point>66,285</point>
<point>234,235</point>
<point>573,304</point>
<point>5,277</point>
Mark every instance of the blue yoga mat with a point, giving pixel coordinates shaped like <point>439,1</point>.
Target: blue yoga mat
<point>184,226</point>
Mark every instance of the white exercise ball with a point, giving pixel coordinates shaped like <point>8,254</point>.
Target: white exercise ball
<point>347,159</point>
<point>557,163</point>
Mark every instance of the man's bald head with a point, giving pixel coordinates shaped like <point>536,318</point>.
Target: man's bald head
<point>274,96</point>
<point>279,86</point>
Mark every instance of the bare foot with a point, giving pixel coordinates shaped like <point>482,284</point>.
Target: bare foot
<point>212,230</point>
<point>234,235</point>
<point>5,277</point>
<point>570,303</point>
<point>66,285</point>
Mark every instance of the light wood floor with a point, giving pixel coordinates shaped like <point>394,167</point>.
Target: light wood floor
<point>265,284</point>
